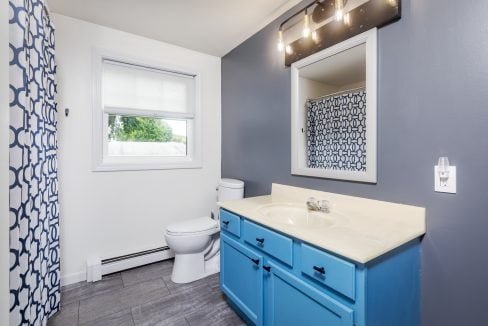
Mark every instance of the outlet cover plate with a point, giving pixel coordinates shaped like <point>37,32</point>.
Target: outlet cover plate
<point>450,186</point>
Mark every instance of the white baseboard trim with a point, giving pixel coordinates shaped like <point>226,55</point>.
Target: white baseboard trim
<point>73,278</point>
<point>119,266</point>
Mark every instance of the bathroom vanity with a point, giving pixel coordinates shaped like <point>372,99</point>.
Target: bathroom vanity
<point>282,264</point>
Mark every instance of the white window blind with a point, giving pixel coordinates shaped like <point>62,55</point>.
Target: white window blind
<point>136,90</point>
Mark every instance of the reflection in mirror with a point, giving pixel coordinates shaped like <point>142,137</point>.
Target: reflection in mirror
<point>335,133</point>
<point>333,96</point>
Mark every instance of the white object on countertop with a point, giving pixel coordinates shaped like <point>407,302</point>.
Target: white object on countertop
<point>230,189</point>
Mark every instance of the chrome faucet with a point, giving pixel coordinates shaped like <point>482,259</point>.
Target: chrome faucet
<point>318,205</point>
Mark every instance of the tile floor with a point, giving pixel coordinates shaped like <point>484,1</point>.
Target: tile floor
<point>145,296</point>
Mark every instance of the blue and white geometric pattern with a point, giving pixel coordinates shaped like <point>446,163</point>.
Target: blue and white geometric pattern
<point>336,132</point>
<point>34,210</point>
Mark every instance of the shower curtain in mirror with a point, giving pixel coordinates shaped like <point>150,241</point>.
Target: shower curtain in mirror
<point>336,131</point>
<point>34,219</point>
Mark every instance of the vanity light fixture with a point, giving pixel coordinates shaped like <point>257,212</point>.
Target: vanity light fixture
<point>289,49</point>
<point>339,6</point>
<point>315,36</point>
<point>310,26</point>
<point>281,45</point>
<point>306,31</point>
<point>306,25</point>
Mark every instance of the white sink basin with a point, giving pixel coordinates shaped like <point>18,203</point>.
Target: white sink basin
<point>292,214</point>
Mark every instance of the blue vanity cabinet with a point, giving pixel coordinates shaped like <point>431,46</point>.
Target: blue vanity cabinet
<point>241,278</point>
<point>333,272</point>
<point>294,302</point>
<point>276,245</point>
<point>272,279</point>
<point>230,223</point>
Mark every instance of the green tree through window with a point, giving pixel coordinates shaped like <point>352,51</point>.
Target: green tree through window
<point>140,129</point>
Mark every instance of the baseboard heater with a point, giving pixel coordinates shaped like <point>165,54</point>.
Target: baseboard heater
<point>97,267</point>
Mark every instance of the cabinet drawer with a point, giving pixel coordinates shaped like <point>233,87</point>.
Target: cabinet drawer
<point>230,223</point>
<point>329,270</point>
<point>268,241</point>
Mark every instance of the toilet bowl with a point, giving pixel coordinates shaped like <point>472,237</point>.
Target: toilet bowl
<point>196,242</point>
<point>192,241</point>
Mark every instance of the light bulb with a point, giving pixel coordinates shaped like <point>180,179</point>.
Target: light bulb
<point>306,26</point>
<point>280,45</point>
<point>339,14</point>
<point>315,36</point>
<point>339,6</point>
<point>392,3</point>
<point>289,49</point>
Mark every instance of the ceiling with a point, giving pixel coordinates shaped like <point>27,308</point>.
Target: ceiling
<point>344,68</point>
<point>210,26</point>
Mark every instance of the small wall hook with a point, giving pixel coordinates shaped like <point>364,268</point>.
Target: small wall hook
<point>66,112</point>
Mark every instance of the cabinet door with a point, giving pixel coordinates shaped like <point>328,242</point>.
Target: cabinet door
<point>293,302</point>
<point>241,278</point>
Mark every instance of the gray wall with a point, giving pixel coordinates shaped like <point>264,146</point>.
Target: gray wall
<point>433,98</point>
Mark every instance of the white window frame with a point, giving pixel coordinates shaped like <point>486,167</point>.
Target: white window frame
<point>103,162</point>
<point>298,138</point>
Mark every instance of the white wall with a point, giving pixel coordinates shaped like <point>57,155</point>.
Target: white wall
<point>351,86</point>
<point>114,213</point>
<point>311,89</point>
<point>4,171</point>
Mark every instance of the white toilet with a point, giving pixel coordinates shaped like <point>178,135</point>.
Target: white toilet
<point>196,242</point>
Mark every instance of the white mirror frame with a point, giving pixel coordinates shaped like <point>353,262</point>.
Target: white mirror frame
<point>298,143</point>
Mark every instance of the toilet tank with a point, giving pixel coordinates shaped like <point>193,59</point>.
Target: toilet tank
<point>230,189</point>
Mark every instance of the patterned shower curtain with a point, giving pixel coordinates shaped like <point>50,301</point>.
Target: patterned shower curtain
<point>336,131</point>
<point>34,219</point>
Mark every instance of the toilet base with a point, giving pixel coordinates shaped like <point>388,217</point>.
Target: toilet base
<point>212,265</point>
<point>192,267</point>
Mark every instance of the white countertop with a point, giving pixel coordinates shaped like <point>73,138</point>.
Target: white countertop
<point>369,229</point>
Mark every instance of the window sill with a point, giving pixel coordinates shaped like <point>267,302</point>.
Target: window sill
<point>114,167</point>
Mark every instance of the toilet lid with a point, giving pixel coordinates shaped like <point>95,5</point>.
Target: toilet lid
<point>194,225</point>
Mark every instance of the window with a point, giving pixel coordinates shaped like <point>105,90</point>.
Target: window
<point>146,136</point>
<point>145,117</point>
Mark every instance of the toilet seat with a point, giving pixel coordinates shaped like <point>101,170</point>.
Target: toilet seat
<point>196,226</point>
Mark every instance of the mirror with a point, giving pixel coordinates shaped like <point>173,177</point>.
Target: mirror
<point>334,111</point>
